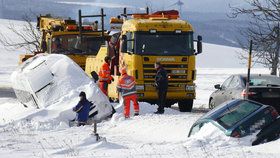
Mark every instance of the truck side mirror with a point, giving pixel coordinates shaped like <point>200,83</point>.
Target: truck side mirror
<point>124,44</point>
<point>95,76</point>
<point>199,44</point>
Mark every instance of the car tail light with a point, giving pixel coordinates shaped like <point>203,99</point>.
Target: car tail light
<point>243,93</point>
<point>236,134</point>
<point>274,113</point>
<point>87,27</point>
<point>71,27</point>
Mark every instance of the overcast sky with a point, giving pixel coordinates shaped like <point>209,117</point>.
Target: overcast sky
<point>190,5</point>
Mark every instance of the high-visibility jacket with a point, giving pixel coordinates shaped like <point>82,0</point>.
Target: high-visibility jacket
<point>105,73</point>
<point>126,85</point>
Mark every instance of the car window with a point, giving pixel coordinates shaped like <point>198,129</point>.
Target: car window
<point>237,113</point>
<point>196,128</point>
<point>264,81</point>
<point>225,85</point>
<point>235,82</point>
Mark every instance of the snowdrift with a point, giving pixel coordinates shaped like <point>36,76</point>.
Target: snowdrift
<point>211,135</point>
<point>53,82</point>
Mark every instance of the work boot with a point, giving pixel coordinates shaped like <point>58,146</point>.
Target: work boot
<point>136,114</point>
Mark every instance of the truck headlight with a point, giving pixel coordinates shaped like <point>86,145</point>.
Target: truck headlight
<point>190,87</point>
<point>140,87</point>
<point>178,71</point>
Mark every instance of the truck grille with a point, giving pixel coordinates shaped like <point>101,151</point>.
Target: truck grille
<point>167,66</point>
<point>150,72</point>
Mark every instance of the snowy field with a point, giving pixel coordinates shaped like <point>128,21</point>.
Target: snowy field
<point>27,132</point>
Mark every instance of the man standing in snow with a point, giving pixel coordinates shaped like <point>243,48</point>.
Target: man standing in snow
<point>161,83</point>
<point>105,77</point>
<point>126,86</point>
<point>82,109</point>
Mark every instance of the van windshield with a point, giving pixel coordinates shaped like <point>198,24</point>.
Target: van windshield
<point>164,43</point>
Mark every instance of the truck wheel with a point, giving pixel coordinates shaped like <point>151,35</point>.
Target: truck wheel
<point>169,103</point>
<point>185,105</point>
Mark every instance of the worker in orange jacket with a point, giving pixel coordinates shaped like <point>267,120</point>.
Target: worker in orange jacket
<point>127,89</point>
<point>105,77</point>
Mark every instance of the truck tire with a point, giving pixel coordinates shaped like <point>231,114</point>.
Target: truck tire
<point>185,105</point>
<point>169,103</point>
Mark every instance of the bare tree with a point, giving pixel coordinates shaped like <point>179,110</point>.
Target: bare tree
<point>28,36</point>
<point>263,30</point>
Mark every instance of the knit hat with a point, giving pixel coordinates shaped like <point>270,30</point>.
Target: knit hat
<point>82,94</point>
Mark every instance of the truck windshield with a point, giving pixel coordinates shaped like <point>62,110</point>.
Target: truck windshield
<point>167,43</point>
<point>71,44</point>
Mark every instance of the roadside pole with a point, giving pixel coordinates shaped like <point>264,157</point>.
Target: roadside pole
<point>249,69</point>
<point>95,131</point>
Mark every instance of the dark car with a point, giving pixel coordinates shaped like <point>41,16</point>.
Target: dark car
<point>262,88</point>
<point>239,118</point>
<point>270,133</point>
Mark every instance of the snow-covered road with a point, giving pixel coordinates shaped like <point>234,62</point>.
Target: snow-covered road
<point>145,136</point>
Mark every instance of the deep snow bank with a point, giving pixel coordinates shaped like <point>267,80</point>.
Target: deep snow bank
<point>52,83</point>
<point>210,135</point>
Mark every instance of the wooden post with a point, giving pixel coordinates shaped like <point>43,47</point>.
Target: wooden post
<point>278,45</point>
<point>80,24</point>
<point>249,69</point>
<point>102,21</point>
<point>147,11</point>
<point>95,131</point>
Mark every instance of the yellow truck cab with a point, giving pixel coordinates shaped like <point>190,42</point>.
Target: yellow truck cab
<point>69,37</point>
<point>149,38</point>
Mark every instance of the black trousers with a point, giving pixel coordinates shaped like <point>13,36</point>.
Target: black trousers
<point>161,99</point>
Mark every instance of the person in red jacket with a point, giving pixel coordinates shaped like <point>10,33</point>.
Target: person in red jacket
<point>105,77</point>
<point>126,88</point>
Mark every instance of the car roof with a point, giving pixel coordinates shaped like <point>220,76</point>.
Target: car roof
<point>216,113</point>
<point>254,75</point>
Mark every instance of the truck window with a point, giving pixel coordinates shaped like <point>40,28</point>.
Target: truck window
<point>164,43</point>
<point>71,44</point>
<point>130,42</point>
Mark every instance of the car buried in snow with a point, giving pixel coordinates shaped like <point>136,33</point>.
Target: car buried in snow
<point>262,88</point>
<point>239,118</point>
<point>52,80</point>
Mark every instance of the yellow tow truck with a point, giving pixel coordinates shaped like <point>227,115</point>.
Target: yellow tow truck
<point>148,38</point>
<point>75,39</point>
